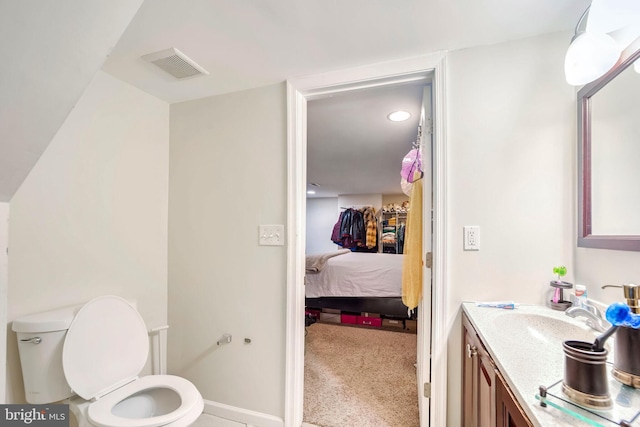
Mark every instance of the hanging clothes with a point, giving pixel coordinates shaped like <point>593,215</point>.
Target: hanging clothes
<point>358,230</point>
<point>400,234</point>
<point>346,219</point>
<point>335,234</point>
<point>412,262</point>
<point>347,229</point>
<point>369,214</point>
<point>353,231</point>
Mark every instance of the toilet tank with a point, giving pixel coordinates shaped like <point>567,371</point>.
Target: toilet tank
<point>40,342</point>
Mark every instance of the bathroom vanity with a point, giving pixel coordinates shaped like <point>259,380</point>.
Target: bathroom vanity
<point>508,354</point>
<point>487,400</point>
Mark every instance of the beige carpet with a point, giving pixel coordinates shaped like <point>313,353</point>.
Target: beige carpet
<point>359,377</point>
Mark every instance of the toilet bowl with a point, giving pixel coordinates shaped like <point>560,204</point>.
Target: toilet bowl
<point>103,350</point>
<point>154,400</point>
<point>151,401</point>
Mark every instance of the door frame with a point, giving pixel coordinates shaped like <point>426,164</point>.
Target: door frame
<point>299,91</point>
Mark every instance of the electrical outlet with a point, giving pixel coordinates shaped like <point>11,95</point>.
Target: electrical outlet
<point>471,238</point>
<point>271,235</point>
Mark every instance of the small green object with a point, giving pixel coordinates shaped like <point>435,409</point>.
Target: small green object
<point>560,271</point>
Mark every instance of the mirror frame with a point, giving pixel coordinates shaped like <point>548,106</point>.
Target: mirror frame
<point>585,238</point>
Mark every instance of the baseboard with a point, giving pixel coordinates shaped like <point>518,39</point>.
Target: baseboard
<point>245,416</point>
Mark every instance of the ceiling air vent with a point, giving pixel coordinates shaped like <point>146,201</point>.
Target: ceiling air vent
<point>175,63</point>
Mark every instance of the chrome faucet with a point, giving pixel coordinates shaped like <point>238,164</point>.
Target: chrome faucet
<point>593,315</point>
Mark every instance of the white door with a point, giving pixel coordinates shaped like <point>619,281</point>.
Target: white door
<point>424,308</point>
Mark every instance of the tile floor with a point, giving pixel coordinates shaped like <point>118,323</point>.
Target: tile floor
<point>207,420</point>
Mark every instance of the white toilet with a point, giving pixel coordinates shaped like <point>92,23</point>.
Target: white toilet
<point>96,352</point>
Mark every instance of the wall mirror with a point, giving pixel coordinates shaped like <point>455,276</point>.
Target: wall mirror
<point>609,158</point>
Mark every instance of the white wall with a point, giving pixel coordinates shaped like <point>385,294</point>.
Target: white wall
<point>4,244</point>
<point>322,214</point>
<point>228,175</point>
<point>598,267</point>
<point>360,200</point>
<point>394,198</point>
<point>511,139</point>
<point>91,217</point>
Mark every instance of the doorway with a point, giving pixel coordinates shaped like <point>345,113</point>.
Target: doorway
<point>432,360</point>
<point>360,363</point>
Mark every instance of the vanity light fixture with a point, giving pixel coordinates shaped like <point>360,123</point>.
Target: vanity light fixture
<point>399,116</point>
<point>608,16</point>
<point>604,30</point>
<point>590,54</point>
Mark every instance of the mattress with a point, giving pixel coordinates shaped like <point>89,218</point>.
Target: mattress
<point>357,274</point>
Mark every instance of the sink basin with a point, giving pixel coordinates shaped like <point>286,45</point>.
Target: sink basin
<point>530,329</point>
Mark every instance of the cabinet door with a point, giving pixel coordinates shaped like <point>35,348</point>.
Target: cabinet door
<point>486,378</point>
<point>508,412</point>
<point>479,381</point>
<point>470,368</point>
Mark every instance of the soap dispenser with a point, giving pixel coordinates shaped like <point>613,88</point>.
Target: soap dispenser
<point>626,365</point>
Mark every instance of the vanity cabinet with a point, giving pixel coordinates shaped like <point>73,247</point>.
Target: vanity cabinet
<point>469,370</point>
<point>486,400</point>
<point>508,412</point>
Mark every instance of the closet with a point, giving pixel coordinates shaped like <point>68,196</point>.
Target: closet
<point>392,228</point>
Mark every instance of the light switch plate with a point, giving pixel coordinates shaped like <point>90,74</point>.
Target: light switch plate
<point>272,235</point>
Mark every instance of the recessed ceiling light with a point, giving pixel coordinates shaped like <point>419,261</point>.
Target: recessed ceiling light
<point>311,192</point>
<point>399,116</point>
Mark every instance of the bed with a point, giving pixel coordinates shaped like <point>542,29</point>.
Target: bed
<point>358,282</point>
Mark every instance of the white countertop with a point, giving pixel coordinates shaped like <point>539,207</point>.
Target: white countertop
<point>527,364</point>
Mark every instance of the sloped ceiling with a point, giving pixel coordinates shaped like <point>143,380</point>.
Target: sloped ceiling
<point>252,43</point>
<point>52,49</point>
<point>50,52</point>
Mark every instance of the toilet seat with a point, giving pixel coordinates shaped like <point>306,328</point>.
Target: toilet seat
<point>100,412</point>
<point>105,348</point>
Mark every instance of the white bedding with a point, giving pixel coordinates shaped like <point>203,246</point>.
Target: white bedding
<point>357,274</point>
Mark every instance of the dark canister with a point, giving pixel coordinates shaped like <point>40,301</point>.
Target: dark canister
<point>626,366</point>
<point>585,375</point>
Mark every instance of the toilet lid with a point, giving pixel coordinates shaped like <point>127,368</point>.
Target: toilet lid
<point>106,346</point>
